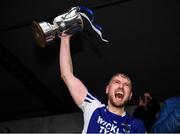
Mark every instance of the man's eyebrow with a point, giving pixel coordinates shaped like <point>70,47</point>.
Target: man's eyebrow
<point>128,81</point>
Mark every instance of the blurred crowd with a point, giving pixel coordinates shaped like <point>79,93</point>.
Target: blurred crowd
<point>156,118</point>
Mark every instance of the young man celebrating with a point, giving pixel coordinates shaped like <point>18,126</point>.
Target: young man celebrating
<point>99,118</point>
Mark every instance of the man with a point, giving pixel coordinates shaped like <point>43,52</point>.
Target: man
<point>146,110</point>
<point>169,117</point>
<point>97,117</point>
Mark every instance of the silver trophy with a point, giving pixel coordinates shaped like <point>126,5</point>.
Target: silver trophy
<point>67,23</point>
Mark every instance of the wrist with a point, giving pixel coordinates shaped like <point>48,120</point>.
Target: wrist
<point>65,39</point>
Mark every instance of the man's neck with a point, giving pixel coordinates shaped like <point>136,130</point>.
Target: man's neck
<point>116,110</point>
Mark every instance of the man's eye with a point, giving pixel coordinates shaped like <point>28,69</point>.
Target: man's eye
<point>116,81</point>
<point>126,84</point>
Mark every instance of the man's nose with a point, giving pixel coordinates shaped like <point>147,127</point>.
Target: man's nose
<point>121,85</point>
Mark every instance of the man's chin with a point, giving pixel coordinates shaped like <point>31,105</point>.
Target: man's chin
<point>119,105</point>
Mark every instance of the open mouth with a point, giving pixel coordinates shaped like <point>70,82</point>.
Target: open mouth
<point>119,95</point>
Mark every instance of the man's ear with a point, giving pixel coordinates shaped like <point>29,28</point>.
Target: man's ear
<point>107,89</point>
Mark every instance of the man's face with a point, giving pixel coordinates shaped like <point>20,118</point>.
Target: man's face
<point>119,90</point>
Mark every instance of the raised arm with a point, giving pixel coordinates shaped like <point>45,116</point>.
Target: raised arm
<point>76,88</point>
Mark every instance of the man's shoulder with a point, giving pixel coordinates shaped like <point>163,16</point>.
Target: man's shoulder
<point>134,120</point>
<point>137,124</point>
<point>172,103</point>
<point>173,99</point>
<point>91,103</point>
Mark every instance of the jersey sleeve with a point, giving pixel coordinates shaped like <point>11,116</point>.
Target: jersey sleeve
<point>88,107</point>
<point>90,104</point>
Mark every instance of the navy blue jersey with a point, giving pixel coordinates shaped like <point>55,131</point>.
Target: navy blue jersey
<point>97,119</point>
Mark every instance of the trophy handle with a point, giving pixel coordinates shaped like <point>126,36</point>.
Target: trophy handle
<point>39,34</point>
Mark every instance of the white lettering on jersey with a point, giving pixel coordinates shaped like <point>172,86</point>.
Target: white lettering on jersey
<point>107,127</point>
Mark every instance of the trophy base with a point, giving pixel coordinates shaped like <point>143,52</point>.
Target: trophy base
<point>39,34</point>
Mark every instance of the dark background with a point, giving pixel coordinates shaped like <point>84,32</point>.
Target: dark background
<point>143,37</point>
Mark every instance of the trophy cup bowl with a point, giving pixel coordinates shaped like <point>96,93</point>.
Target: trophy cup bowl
<point>43,32</point>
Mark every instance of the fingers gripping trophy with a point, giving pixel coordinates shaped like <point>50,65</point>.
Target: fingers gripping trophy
<point>68,23</point>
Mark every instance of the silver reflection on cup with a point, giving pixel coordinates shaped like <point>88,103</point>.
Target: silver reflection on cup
<point>67,23</point>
